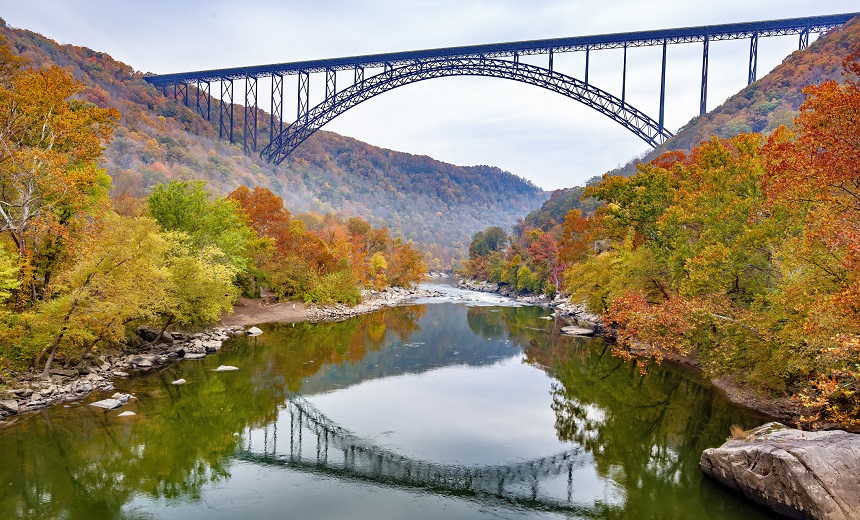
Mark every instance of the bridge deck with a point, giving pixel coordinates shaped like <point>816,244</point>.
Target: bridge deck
<point>788,26</point>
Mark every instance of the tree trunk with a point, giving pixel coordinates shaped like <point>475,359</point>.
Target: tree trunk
<point>161,332</point>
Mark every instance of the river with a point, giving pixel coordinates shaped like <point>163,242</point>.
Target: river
<point>467,406</point>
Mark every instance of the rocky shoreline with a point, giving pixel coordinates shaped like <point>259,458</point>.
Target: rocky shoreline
<point>576,314</point>
<point>97,372</point>
<point>371,301</point>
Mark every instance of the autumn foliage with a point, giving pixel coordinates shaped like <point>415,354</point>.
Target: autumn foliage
<point>78,275</point>
<point>328,263</point>
<point>755,247</point>
<point>744,252</point>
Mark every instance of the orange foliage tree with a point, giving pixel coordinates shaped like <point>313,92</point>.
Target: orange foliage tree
<point>49,146</point>
<point>816,173</point>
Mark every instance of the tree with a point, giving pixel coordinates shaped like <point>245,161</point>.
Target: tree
<point>118,277</point>
<point>49,147</point>
<point>813,175</point>
<point>186,207</point>
<point>406,266</point>
<point>545,253</point>
<point>8,275</point>
<point>495,238</point>
<point>202,282</point>
<point>576,236</point>
<point>377,269</point>
<point>265,211</point>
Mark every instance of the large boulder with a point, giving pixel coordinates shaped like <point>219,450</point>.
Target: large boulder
<point>804,475</point>
<point>150,334</point>
<point>573,330</point>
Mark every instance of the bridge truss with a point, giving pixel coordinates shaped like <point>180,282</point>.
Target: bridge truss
<point>315,444</point>
<point>378,73</point>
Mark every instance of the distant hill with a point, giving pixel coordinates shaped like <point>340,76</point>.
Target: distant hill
<point>438,205</point>
<point>769,102</point>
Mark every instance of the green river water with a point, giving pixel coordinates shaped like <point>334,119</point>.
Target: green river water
<point>461,407</point>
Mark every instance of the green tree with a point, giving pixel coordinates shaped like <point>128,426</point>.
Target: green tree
<point>202,282</point>
<point>189,208</point>
<point>117,278</point>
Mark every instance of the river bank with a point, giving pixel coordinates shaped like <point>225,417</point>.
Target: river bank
<point>30,391</point>
<point>782,408</point>
<point>562,307</point>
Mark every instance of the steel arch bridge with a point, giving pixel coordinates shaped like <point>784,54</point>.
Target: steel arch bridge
<point>316,444</point>
<point>379,73</point>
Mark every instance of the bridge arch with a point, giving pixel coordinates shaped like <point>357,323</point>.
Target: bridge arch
<point>629,117</point>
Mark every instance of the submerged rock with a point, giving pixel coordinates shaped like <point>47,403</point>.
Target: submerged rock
<point>226,368</point>
<point>126,414</point>
<point>179,382</point>
<point>577,331</point>
<point>107,404</point>
<point>254,331</point>
<point>797,474</point>
<point>122,398</point>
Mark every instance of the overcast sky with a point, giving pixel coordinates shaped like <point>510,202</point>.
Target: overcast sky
<point>549,139</point>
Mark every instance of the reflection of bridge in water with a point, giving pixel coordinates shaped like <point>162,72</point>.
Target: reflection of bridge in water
<point>316,444</point>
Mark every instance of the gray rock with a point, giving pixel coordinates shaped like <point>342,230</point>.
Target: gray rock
<point>107,404</point>
<point>119,373</point>
<point>195,347</point>
<point>134,342</point>
<point>806,475</point>
<point>577,331</point>
<point>254,331</point>
<point>194,355</point>
<point>147,333</point>
<point>147,361</point>
<point>122,398</point>
<point>22,392</point>
<point>226,368</point>
<point>211,345</point>
<point>9,406</point>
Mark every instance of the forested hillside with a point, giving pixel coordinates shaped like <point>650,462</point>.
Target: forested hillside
<point>437,205</point>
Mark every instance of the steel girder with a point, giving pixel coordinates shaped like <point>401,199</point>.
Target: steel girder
<point>249,130</point>
<point>634,120</point>
<point>202,92</point>
<point>225,109</point>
